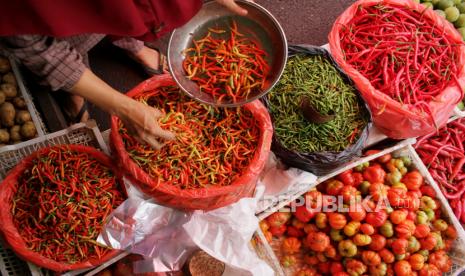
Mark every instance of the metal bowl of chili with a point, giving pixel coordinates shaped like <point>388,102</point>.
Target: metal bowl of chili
<point>223,59</point>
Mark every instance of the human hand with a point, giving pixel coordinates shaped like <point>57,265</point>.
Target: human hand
<point>232,6</point>
<point>142,120</point>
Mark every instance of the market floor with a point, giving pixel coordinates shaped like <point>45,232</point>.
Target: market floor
<point>304,21</point>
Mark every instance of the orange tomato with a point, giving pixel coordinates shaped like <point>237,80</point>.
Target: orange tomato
<point>291,245</point>
<point>367,229</point>
<point>306,272</point>
<point>405,229</point>
<point>355,267</point>
<point>402,268</point>
<point>421,231</point>
<point>417,261</point>
<point>387,256</point>
<point>317,241</point>
<point>413,180</point>
<point>357,213</point>
<point>362,240</point>
<point>371,258</point>
<point>378,190</point>
<point>336,220</point>
<point>398,216</point>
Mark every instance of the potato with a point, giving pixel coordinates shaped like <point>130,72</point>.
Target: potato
<point>4,65</point>
<point>7,114</point>
<point>4,136</point>
<point>14,133</point>
<point>9,90</point>
<point>28,130</point>
<point>22,116</point>
<point>2,97</point>
<point>19,102</point>
<point>10,78</point>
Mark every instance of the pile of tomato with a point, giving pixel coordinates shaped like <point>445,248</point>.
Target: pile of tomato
<point>402,231</point>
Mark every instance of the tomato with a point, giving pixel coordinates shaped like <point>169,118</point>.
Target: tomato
<point>364,187</point>
<point>306,272</point>
<point>385,158</point>
<point>291,245</point>
<point>321,220</point>
<point>355,267</point>
<point>398,216</point>
<point>362,240</point>
<point>386,255</point>
<point>421,218</point>
<point>336,267</point>
<point>304,214</point>
<point>429,242</point>
<point>349,192</point>
<point>351,228</point>
<point>428,203</point>
<point>387,229</point>
<point>330,251</point>
<point>399,246</point>
<point>311,259</point>
<point>294,232</point>
<point>358,179</point>
<point>411,215</point>
<point>278,231</point>
<point>313,198</point>
<point>278,219</point>
<point>347,248</point>
<point>441,260</point>
<point>370,258</point>
<point>367,229</point>
<point>336,235</point>
<point>440,225</point>
<point>310,227</point>
<point>297,223</point>
<point>374,174</point>
<point>417,261</point>
<point>397,197</point>
<point>264,226</point>
<point>288,260</point>
<point>402,268</point>
<point>336,220</point>
<point>405,229</point>
<point>413,180</point>
<point>341,274</point>
<point>430,270</point>
<point>413,245</point>
<point>394,177</point>
<point>378,242</point>
<point>323,267</point>
<point>334,187</point>
<point>450,232</point>
<point>428,191</point>
<point>317,241</point>
<point>357,213</point>
<point>347,178</point>
<point>377,218</point>
<point>378,190</point>
<point>378,270</point>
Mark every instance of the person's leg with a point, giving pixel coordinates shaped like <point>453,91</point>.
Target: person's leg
<point>148,57</point>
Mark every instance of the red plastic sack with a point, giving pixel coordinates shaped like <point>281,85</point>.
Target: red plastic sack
<point>388,115</point>
<point>193,199</point>
<point>10,233</point>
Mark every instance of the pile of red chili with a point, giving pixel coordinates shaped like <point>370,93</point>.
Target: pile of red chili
<point>213,146</point>
<point>404,54</point>
<point>443,153</point>
<point>228,69</point>
<point>61,204</point>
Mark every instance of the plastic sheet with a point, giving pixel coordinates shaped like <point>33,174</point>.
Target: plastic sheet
<point>167,236</point>
<point>393,119</point>
<point>11,234</point>
<point>194,199</point>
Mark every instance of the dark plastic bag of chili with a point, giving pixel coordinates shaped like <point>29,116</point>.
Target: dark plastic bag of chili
<point>27,219</point>
<point>320,160</point>
<point>173,182</point>
<point>406,60</point>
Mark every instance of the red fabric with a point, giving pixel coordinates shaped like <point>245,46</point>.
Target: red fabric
<point>390,116</point>
<point>11,235</point>
<point>134,18</point>
<point>203,198</point>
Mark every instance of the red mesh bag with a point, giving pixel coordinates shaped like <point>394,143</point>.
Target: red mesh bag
<point>390,116</point>
<point>10,233</point>
<point>201,198</point>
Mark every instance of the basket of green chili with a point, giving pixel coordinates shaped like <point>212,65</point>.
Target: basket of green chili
<point>319,119</point>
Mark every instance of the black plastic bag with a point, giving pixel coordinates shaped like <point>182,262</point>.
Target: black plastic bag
<point>320,163</point>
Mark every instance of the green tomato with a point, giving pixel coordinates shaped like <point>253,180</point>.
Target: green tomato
<point>427,202</point>
<point>336,235</point>
<point>394,177</point>
<point>387,229</point>
<point>452,14</point>
<point>461,7</point>
<point>441,13</point>
<point>440,225</point>
<point>430,213</point>
<point>398,163</point>
<point>424,253</point>
<point>444,4</point>
<point>461,106</point>
<point>400,257</point>
<point>462,32</point>
<point>413,244</point>
<point>403,171</point>
<point>428,5</point>
<point>365,187</point>
<point>422,217</point>
<point>435,2</point>
<point>400,185</point>
<point>456,2</point>
<point>407,161</point>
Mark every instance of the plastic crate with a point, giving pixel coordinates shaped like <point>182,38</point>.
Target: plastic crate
<point>83,134</point>
<point>457,254</point>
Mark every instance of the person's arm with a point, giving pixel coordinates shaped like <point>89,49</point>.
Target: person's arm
<point>139,118</point>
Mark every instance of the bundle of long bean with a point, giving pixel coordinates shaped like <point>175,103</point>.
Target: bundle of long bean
<point>443,152</point>
<point>212,148</point>
<point>403,53</point>
<point>61,204</point>
<point>316,79</point>
<point>229,70</point>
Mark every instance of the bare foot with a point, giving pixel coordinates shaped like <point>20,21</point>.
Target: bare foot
<point>150,58</point>
<point>74,104</point>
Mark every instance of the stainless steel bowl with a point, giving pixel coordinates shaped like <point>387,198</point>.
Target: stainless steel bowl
<point>258,23</point>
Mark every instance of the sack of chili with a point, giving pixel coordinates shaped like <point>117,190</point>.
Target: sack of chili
<point>406,60</point>
<point>320,122</point>
<point>54,204</point>
<point>215,159</point>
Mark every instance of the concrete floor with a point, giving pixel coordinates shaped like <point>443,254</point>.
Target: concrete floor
<point>304,22</point>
